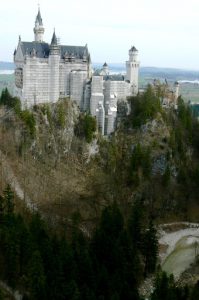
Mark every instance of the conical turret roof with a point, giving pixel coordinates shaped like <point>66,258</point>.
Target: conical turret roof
<point>54,39</point>
<point>133,49</point>
<point>39,18</point>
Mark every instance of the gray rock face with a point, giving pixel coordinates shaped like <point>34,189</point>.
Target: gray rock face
<point>159,165</point>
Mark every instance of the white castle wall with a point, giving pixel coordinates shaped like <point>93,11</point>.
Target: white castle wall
<point>35,82</point>
<point>120,88</point>
<point>54,94</point>
<point>87,97</point>
<point>114,91</point>
<point>63,81</point>
<point>111,119</point>
<point>132,76</point>
<point>65,69</point>
<point>132,70</point>
<point>96,94</point>
<point>45,80</point>
<point>77,84</point>
<point>100,114</point>
<point>39,32</point>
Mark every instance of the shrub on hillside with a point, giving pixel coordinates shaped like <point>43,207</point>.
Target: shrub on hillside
<point>14,103</point>
<point>29,120</point>
<point>10,101</point>
<point>144,107</point>
<point>86,127</point>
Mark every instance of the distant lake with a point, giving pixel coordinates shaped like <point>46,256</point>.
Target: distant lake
<point>6,72</point>
<point>189,81</point>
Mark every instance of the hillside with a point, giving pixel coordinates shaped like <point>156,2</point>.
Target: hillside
<point>60,172</point>
<point>98,197</point>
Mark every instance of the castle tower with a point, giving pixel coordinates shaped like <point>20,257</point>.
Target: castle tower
<point>132,69</point>
<point>100,117</point>
<point>176,87</point>
<point>105,68</point>
<point>176,93</point>
<point>38,29</point>
<point>54,60</point>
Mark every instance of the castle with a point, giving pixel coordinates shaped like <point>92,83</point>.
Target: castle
<point>45,73</point>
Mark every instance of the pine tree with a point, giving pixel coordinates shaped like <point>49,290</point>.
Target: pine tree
<point>9,200</point>
<point>37,279</point>
<point>12,256</point>
<point>2,208</point>
<point>166,176</point>
<point>150,247</point>
<point>135,227</point>
<point>195,292</point>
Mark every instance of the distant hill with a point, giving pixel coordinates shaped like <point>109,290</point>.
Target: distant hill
<point>170,74</point>
<point>146,72</point>
<point>6,65</point>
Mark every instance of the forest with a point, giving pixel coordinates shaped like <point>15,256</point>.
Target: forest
<point>110,264</point>
<point>111,260</point>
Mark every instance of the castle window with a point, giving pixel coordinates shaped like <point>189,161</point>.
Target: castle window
<point>19,78</point>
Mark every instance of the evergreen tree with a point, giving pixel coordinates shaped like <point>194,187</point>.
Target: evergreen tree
<point>12,256</point>
<point>9,101</point>
<point>166,176</point>
<point>36,275</point>
<point>144,107</point>
<point>161,288</point>
<point>84,271</point>
<point>90,127</point>
<point>72,291</point>
<point>9,200</point>
<point>150,249</point>
<point>165,289</point>
<point>195,292</point>
<point>184,114</point>
<point>129,270</point>
<point>5,97</point>
<point>135,225</point>
<point>1,295</point>
<point>2,208</point>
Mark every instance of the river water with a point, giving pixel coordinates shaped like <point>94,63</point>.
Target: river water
<point>6,72</point>
<point>182,256</point>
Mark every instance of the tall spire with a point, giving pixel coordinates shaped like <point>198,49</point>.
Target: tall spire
<point>38,29</point>
<point>132,70</point>
<point>39,18</point>
<point>54,39</point>
<point>54,46</point>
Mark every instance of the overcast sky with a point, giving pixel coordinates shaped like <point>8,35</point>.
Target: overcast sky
<point>166,33</point>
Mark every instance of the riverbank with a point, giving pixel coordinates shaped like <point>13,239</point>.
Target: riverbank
<point>178,248</point>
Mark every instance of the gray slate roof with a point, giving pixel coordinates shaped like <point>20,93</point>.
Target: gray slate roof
<point>43,50</point>
<point>54,39</point>
<point>133,49</point>
<point>114,77</point>
<point>39,18</point>
<point>77,51</point>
